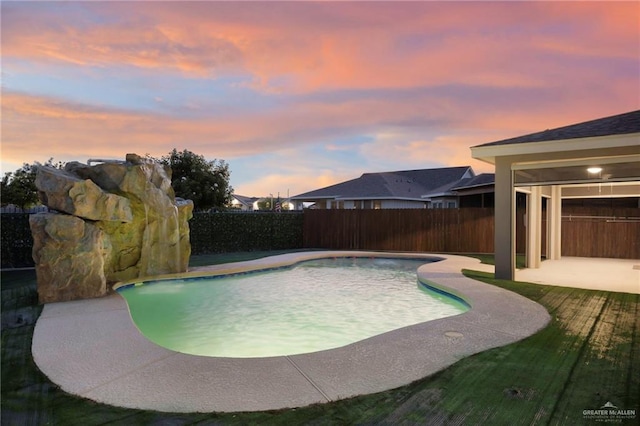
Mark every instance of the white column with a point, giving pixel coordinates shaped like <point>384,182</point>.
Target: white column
<point>504,228</point>
<point>554,223</point>
<point>534,227</point>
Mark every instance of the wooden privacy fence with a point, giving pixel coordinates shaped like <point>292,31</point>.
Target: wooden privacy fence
<point>586,232</point>
<point>601,232</point>
<point>432,230</point>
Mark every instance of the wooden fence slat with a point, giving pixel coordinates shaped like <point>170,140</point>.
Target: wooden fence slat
<point>586,231</point>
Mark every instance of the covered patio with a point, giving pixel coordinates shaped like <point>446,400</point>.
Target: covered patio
<point>594,159</point>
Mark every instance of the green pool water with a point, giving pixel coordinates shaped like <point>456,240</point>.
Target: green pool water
<point>313,306</point>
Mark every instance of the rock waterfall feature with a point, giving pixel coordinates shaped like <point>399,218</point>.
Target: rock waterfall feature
<point>112,221</point>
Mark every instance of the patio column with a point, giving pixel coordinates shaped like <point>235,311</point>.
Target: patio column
<point>504,228</point>
<point>534,227</point>
<point>554,224</point>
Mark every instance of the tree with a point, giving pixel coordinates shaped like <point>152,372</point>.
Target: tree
<point>19,187</point>
<point>204,182</point>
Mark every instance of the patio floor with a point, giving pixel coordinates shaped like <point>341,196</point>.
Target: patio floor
<point>619,275</point>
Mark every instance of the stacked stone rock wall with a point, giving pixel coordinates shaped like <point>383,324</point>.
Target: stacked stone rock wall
<point>115,221</point>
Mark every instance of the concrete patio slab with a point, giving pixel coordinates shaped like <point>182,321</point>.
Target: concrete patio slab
<point>618,275</point>
<point>92,348</point>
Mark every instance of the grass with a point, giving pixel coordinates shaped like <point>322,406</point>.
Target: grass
<point>587,356</point>
<point>521,261</point>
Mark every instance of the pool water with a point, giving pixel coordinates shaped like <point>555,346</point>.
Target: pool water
<point>313,306</point>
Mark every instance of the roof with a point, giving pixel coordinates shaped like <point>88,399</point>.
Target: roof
<point>245,200</point>
<point>483,179</point>
<point>407,184</point>
<point>614,125</point>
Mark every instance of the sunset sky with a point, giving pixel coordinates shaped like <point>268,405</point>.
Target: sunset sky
<point>300,95</point>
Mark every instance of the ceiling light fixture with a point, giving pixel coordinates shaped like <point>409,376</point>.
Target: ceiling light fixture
<point>594,170</point>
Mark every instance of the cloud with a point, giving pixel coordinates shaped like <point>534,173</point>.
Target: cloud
<point>59,124</point>
<point>289,183</point>
<point>298,169</point>
<point>324,46</point>
<point>329,89</point>
<point>405,151</point>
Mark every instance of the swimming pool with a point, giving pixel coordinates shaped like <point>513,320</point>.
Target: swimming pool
<point>92,348</point>
<point>312,306</point>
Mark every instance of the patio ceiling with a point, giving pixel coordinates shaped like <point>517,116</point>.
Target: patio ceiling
<point>589,171</point>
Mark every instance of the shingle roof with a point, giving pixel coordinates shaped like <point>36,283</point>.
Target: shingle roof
<point>245,200</point>
<point>400,184</point>
<point>479,180</point>
<point>615,125</point>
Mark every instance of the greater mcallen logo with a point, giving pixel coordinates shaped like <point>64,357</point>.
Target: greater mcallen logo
<point>609,413</point>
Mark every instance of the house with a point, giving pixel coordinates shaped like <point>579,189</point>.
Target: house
<point>250,204</point>
<point>245,204</point>
<point>477,191</point>
<point>408,189</point>
<point>594,159</point>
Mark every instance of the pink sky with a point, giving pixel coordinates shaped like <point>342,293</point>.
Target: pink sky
<point>300,95</point>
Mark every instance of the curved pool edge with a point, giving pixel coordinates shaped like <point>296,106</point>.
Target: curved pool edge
<point>92,348</point>
<point>270,263</point>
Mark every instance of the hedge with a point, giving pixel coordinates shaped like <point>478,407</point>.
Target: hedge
<point>16,240</point>
<point>209,232</point>
<point>234,232</point>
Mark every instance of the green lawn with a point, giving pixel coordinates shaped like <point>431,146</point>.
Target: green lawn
<point>587,356</point>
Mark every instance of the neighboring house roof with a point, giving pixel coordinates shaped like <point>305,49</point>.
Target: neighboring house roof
<point>245,200</point>
<point>407,184</point>
<point>614,125</point>
<point>483,179</point>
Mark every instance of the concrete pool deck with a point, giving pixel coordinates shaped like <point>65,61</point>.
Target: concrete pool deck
<point>91,348</point>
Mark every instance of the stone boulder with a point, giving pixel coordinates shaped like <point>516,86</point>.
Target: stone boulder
<point>70,255</point>
<point>133,227</point>
<point>67,193</point>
